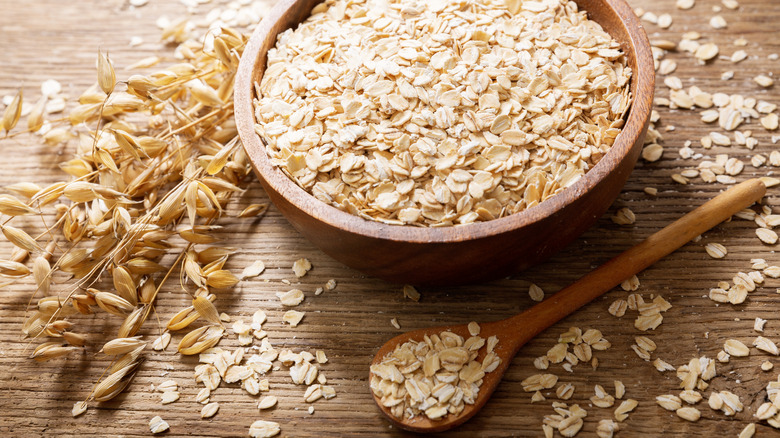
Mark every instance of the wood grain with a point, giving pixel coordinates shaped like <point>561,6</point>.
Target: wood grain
<point>44,39</point>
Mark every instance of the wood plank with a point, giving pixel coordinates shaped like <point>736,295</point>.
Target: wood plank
<point>44,39</point>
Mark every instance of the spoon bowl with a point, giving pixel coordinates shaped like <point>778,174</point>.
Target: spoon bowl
<point>516,331</point>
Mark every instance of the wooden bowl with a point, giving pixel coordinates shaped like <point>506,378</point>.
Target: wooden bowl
<point>465,253</point>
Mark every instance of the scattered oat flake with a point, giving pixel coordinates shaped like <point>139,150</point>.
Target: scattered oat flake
<point>748,431</point>
<point>291,298</point>
<point>473,328</point>
<point>706,52</point>
<point>624,216</point>
<point>203,395</point>
<point>267,402</point>
<point>168,385</point>
<point>209,410</point>
<point>395,324</point>
<point>169,397</point>
<point>620,389</point>
<point>161,343</point>
<point>669,402</point>
<point>770,121</point>
<point>535,292</point>
<point>607,428</point>
<point>79,408</point>
<point>618,308</point>
<point>253,270</point>
<point>718,22</point>
<point>630,284</point>
<point>766,235</point>
<point>685,4</point>
<point>689,413</point>
<point>293,317</point>
<point>652,152</point>
<point>758,325</point>
<point>766,345</point>
<point>621,413</point>
<point>411,293</point>
<point>264,429</point>
<point>716,250</point>
<point>648,322</point>
<point>158,425</point>
<point>736,348</point>
<point>664,21</point>
<point>764,81</point>
<point>301,267</point>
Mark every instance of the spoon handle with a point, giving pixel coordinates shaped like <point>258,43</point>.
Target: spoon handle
<point>533,321</point>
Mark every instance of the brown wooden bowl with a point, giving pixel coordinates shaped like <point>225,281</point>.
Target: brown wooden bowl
<point>464,253</point>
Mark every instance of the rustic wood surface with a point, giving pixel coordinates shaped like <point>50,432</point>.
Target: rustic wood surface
<point>43,39</point>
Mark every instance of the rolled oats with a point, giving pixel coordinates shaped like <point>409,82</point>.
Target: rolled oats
<point>689,413</point>
<point>669,402</point>
<point>453,133</point>
<point>536,293</point>
<point>158,425</point>
<point>434,377</point>
<point>621,413</point>
<point>736,348</point>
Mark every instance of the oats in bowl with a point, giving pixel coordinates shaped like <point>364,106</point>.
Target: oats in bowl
<point>441,113</point>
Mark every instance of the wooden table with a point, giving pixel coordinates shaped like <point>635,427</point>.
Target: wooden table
<point>43,39</point>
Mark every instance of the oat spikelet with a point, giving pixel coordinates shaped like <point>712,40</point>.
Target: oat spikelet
<point>12,113</point>
<point>113,304</point>
<point>133,322</point>
<point>26,189</point>
<point>206,309</point>
<point>191,201</point>
<point>220,160</point>
<point>75,339</point>
<point>11,206</point>
<point>124,285</point>
<point>182,319</point>
<point>127,143</point>
<point>20,238</point>
<point>50,350</point>
<point>221,279</point>
<point>200,339</point>
<point>42,274</point>
<point>119,346</point>
<point>253,210</point>
<point>35,118</point>
<point>206,95</point>
<point>147,291</point>
<point>131,187</point>
<point>115,383</point>
<point>126,359</point>
<point>13,269</point>
<point>106,73</point>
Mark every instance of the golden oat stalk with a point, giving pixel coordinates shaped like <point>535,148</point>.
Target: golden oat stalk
<point>164,152</point>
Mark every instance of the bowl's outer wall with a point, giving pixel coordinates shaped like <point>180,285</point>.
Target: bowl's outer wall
<point>467,258</point>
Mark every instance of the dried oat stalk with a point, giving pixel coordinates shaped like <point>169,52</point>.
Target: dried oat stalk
<point>156,161</point>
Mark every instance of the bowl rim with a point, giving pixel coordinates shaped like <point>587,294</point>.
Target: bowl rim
<point>270,175</point>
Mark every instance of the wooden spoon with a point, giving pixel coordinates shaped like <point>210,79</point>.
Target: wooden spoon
<point>514,332</point>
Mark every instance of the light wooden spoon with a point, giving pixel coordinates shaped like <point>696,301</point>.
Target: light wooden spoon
<point>514,332</point>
